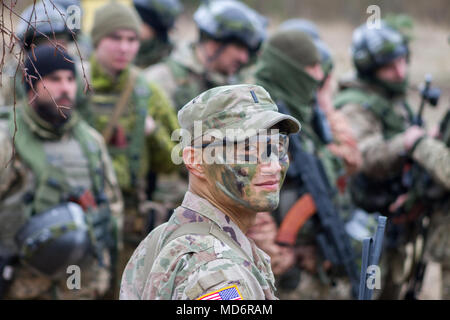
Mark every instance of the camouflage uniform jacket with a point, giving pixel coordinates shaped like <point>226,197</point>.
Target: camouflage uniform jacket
<point>434,156</point>
<point>183,76</point>
<point>380,139</point>
<point>191,266</point>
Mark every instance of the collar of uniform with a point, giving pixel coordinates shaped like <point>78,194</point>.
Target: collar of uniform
<point>44,129</point>
<point>103,81</point>
<point>185,56</point>
<point>203,207</point>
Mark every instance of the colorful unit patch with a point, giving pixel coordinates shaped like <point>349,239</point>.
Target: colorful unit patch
<point>228,293</point>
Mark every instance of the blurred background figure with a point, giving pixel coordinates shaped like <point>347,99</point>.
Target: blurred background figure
<point>229,32</point>
<point>158,18</point>
<point>61,174</point>
<point>134,117</point>
<point>343,144</point>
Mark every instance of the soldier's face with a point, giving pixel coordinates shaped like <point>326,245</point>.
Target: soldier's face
<point>254,186</point>
<point>57,87</point>
<point>395,71</point>
<point>117,50</point>
<point>232,58</point>
<point>315,71</point>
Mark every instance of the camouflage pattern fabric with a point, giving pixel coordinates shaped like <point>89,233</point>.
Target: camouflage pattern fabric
<point>380,150</point>
<point>194,265</point>
<point>434,156</point>
<point>18,179</point>
<point>183,76</point>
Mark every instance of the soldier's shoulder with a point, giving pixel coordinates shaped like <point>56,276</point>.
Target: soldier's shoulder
<point>157,71</point>
<point>96,136</point>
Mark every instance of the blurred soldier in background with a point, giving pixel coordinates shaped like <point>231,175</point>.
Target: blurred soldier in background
<point>343,144</point>
<point>229,32</point>
<point>59,200</point>
<point>134,117</point>
<point>291,70</point>
<point>431,188</point>
<point>40,23</point>
<point>158,18</point>
<point>375,101</point>
<point>45,23</point>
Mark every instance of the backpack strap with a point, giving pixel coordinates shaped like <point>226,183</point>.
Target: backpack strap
<point>379,106</point>
<point>120,106</point>
<point>202,228</point>
<point>141,97</point>
<point>153,247</point>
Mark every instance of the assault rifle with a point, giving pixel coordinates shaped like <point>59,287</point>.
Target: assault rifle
<point>315,202</point>
<point>431,95</point>
<point>428,94</point>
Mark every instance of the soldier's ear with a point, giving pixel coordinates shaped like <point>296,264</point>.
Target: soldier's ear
<point>192,158</point>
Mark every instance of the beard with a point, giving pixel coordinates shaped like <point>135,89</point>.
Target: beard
<point>54,114</point>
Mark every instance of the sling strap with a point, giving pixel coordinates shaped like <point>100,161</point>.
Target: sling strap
<point>154,247</point>
<point>119,108</point>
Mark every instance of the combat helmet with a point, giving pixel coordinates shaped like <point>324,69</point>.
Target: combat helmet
<point>42,19</point>
<point>229,21</point>
<point>375,47</point>
<point>159,14</point>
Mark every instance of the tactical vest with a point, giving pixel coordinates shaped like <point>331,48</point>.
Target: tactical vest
<point>188,84</point>
<point>383,110</point>
<point>133,120</point>
<point>60,169</point>
<point>369,194</point>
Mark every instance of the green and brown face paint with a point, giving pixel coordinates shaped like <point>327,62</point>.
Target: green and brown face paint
<point>236,182</point>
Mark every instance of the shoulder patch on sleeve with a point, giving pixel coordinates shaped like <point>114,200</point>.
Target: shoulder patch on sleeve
<point>227,293</point>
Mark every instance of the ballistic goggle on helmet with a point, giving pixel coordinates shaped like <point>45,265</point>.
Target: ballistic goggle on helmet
<point>375,47</point>
<point>229,20</point>
<point>55,239</point>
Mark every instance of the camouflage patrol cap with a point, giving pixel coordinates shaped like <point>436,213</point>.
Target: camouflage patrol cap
<point>243,106</point>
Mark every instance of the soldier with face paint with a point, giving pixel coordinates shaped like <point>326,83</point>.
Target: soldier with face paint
<point>235,149</point>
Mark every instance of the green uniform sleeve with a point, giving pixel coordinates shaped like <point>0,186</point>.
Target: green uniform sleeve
<point>159,143</point>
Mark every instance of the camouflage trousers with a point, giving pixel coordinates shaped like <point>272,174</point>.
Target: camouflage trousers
<point>94,284</point>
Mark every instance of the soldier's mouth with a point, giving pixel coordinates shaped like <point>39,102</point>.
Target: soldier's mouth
<point>269,185</point>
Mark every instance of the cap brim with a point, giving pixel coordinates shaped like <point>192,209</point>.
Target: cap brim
<point>241,130</point>
<point>268,119</point>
